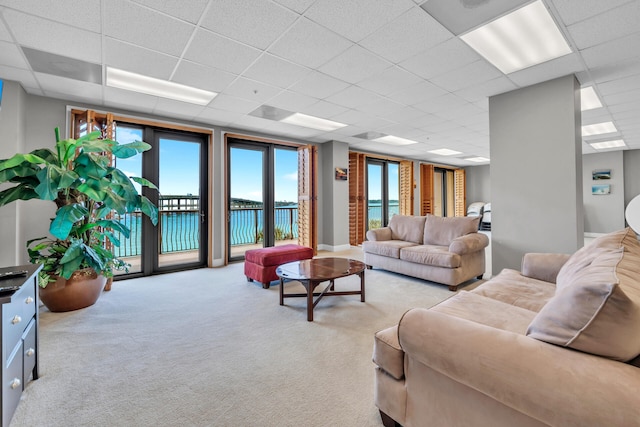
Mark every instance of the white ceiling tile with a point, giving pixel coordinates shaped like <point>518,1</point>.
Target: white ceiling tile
<point>126,99</point>
<point>251,90</point>
<point>76,13</point>
<point>338,15</point>
<point>476,73</point>
<point>381,107</point>
<point>412,32</point>
<point>202,77</point>
<point>257,23</point>
<point>33,91</point>
<point>49,36</point>
<point>4,32</point>
<point>606,26</point>
<point>620,85</point>
<point>393,79</point>
<point>445,101</point>
<point>351,117</point>
<point>611,72</point>
<point>216,51</point>
<point>611,52</point>
<point>139,25</point>
<point>54,85</point>
<point>573,11</point>
<point>137,59</point>
<point>448,55</point>
<point>26,79</point>
<point>353,97</point>
<point>484,90</point>
<point>292,101</point>
<point>354,65</point>
<point>233,104</point>
<point>11,56</point>
<point>319,85</point>
<point>324,109</point>
<point>298,6</point>
<point>182,110</point>
<point>217,116</point>
<point>309,44</point>
<point>189,11</point>
<point>417,93</point>
<point>404,115</point>
<point>568,64</point>
<point>275,71</point>
<point>622,97</point>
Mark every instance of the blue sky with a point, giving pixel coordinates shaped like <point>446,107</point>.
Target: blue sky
<point>374,181</point>
<point>179,168</point>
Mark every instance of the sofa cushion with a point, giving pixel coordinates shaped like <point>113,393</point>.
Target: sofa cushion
<point>598,312</point>
<point>388,248</point>
<point>406,227</point>
<point>486,311</point>
<point>511,287</point>
<point>438,256</point>
<point>440,231</point>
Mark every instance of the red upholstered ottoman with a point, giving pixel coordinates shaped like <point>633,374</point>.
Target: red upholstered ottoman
<point>260,264</point>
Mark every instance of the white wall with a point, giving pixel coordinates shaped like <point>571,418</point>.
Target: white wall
<point>603,213</point>
<point>334,209</point>
<point>478,184</point>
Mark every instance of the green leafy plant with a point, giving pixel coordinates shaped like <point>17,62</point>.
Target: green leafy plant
<point>87,190</point>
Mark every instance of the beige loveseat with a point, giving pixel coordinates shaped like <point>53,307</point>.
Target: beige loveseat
<point>442,250</point>
<point>557,344</point>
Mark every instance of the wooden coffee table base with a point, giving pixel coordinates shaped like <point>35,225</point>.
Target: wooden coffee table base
<point>295,271</point>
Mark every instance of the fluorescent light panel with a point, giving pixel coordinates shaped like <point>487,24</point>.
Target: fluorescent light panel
<point>598,128</point>
<point>589,99</point>
<point>477,159</point>
<point>445,152</point>
<point>395,140</point>
<point>525,37</point>
<point>608,144</point>
<point>157,87</point>
<point>312,122</point>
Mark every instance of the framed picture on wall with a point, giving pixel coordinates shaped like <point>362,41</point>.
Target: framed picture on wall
<point>341,174</point>
<point>601,189</point>
<point>600,174</point>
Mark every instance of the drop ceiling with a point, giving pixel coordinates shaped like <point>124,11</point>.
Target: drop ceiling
<point>381,67</point>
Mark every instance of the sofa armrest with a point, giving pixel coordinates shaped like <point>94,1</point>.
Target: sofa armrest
<point>469,243</point>
<point>552,384</point>
<point>378,234</point>
<point>543,266</point>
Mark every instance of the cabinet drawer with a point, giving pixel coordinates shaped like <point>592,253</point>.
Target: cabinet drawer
<point>12,385</point>
<point>26,297</point>
<point>29,349</point>
<point>13,324</point>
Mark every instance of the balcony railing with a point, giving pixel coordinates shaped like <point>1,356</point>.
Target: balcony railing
<point>179,226</point>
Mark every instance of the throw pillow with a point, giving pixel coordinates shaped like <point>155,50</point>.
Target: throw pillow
<point>407,227</point>
<point>598,311</point>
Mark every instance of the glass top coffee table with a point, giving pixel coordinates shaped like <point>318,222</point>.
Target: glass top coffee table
<point>312,272</point>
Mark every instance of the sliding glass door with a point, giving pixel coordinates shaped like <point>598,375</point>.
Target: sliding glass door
<point>383,192</point>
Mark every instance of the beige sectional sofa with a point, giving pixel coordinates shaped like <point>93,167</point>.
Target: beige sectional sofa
<point>442,250</point>
<point>557,344</point>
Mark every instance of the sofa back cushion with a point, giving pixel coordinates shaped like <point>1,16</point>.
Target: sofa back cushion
<point>440,231</point>
<point>407,228</point>
<point>598,308</point>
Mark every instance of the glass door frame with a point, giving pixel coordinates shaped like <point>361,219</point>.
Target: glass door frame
<point>384,193</point>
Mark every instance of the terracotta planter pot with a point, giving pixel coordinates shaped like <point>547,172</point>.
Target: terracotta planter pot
<point>81,290</point>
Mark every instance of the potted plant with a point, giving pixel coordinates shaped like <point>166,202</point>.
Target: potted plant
<point>88,191</point>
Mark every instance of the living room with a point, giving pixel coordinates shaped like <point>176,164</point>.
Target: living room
<point>394,71</point>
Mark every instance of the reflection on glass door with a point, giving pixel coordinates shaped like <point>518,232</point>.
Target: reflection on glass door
<point>285,207</point>
<point>443,192</point>
<point>383,192</point>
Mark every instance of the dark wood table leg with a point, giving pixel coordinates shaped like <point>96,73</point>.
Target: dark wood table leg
<point>362,286</point>
<point>332,285</point>
<point>281,291</point>
<point>310,287</point>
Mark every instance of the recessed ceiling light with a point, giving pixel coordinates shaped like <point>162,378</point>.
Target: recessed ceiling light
<point>608,144</point>
<point>312,122</point>
<point>445,152</point>
<point>477,159</point>
<point>589,99</point>
<point>598,128</point>
<point>525,37</point>
<point>156,87</point>
<point>395,140</point>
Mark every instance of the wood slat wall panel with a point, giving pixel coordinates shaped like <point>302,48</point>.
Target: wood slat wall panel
<point>460,192</point>
<point>426,189</point>
<point>357,205</point>
<point>307,197</point>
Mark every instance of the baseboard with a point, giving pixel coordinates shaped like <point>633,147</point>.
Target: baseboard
<point>329,248</point>
<point>593,234</point>
<point>217,262</point>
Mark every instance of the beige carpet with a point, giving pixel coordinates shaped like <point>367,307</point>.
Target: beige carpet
<point>207,348</point>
